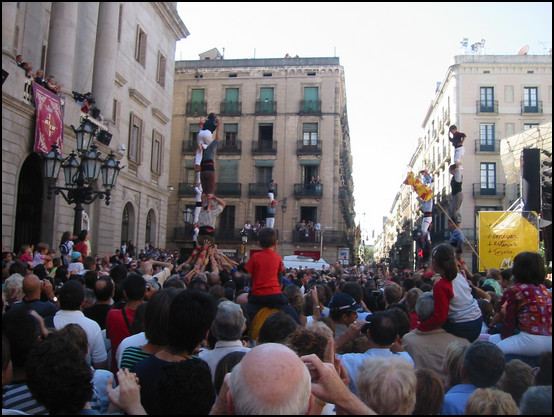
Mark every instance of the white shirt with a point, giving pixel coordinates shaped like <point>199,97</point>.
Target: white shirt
<point>96,348</point>
<point>221,348</point>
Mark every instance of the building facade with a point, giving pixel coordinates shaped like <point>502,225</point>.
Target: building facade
<point>123,53</point>
<point>282,119</point>
<point>488,97</point>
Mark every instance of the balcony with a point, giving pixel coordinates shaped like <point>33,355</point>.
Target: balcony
<point>487,146</point>
<point>498,191</point>
<point>266,107</point>
<point>230,108</point>
<point>488,107</point>
<point>260,190</point>
<point>264,147</point>
<point>189,146</point>
<point>308,107</point>
<point>308,190</point>
<point>229,148</point>
<point>197,108</point>
<point>227,236</point>
<point>531,108</point>
<point>304,149</point>
<point>330,237</point>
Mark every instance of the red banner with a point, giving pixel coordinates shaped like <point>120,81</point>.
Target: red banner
<point>49,120</point>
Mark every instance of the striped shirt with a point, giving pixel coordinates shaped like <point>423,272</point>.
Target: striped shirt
<point>19,397</point>
<point>131,356</point>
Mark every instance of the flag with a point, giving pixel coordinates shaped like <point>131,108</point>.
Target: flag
<point>49,120</point>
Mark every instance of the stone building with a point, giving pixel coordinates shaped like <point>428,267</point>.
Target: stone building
<point>488,97</point>
<point>283,119</point>
<point>123,53</point>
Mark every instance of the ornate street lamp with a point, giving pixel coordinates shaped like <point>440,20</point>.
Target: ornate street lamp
<point>81,171</point>
<point>188,216</point>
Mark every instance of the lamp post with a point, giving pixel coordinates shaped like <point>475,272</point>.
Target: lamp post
<point>80,174</point>
<point>188,216</point>
<point>244,239</point>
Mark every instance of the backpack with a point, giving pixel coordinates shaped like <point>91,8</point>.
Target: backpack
<point>64,251</point>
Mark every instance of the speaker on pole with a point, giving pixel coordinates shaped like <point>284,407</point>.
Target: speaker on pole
<point>531,179</point>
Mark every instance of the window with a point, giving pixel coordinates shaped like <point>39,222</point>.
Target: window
<point>265,137</point>
<point>228,171</point>
<point>527,126</point>
<point>135,139</point>
<point>231,104</point>
<point>193,134</point>
<point>227,221</point>
<point>157,146</point>
<point>530,100</point>
<point>486,137</point>
<point>309,134</point>
<point>119,22</point>
<point>264,175</point>
<point>509,93</point>
<point>140,47</point>
<point>486,104</point>
<point>197,104</point>
<point>266,100</point>
<point>309,173</point>
<point>160,74</point>
<point>230,132</point>
<point>488,178</point>
<point>115,112</point>
<point>311,99</point>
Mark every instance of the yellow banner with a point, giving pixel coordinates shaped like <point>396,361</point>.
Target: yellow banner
<point>504,234</point>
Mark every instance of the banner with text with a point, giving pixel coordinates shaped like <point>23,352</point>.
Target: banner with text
<point>504,234</point>
<point>49,120</point>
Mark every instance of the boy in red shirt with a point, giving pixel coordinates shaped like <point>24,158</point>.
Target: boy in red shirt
<point>266,273</point>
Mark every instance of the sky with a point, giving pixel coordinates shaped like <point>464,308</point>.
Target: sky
<point>393,55</point>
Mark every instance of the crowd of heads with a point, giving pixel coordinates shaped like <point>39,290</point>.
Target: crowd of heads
<point>187,317</point>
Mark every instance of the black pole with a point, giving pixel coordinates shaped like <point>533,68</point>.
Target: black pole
<point>77,223</point>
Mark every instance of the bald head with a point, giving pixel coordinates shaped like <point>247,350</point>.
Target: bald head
<point>286,388</point>
<point>146,268</point>
<point>31,286</point>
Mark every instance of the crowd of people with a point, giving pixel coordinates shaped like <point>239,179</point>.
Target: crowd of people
<point>48,82</point>
<point>86,101</point>
<point>144,331</point>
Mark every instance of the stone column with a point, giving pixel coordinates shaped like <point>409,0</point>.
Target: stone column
<point>9,18</point>
<point>105,56</point>
<point>61,43</point>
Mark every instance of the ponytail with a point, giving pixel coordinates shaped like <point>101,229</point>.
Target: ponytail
<point>445,260</point>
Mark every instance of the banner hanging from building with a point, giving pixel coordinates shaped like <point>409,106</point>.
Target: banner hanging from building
<point>504,234</point>
<point>49,120</point>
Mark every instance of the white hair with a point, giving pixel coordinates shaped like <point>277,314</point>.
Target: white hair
<point>286,399</point>
<point>229,321</point>
<point>387,385</point>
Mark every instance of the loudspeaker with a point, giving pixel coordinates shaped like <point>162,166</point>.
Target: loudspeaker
<point>531,179</point>
<point>104,137</point>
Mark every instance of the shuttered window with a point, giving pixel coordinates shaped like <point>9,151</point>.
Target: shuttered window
<point>140,48</point>
<point>228,170</point>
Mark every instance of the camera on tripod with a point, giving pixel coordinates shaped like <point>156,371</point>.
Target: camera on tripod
<point>79,97</point>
